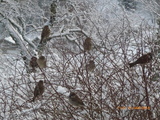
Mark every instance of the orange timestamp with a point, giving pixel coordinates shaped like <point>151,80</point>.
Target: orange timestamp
<point>134,108</point>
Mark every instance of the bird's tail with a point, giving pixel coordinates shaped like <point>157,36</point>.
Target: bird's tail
<point>132,64</point>
<point>33,99</point>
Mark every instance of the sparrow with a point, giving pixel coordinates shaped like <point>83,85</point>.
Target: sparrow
<point>75,100</point>
<point>39,90</point>
<point>41,61</point>
<point>33,63</point>
<point>146,58</point>
<point>45,34</point>
<point>90,66</point>
<point>87,44</point>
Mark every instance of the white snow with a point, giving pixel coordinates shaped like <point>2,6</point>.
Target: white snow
<point>61,90</point>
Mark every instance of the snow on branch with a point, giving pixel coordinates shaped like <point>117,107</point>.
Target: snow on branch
<point>17,38</point>
<point>21,31</point>
<point>19,41</point>
<point>67,32</point>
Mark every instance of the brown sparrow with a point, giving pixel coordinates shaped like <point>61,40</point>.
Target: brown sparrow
<point>87,44</point>
<point>41,61</point>
<point>75,100</point>
<point>90,66</point>
<point>39,90</point>
<point>45,34</point>
<point>146,58</point>
<point>33,63</point>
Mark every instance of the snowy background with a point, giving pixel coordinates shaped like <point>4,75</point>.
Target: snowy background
<point>121,31</point>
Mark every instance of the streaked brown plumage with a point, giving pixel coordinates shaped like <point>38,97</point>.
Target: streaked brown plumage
<point>90,66</point>
<point>146,58</point>
<point>75,100</point>
<point>39,90</point>
<point>33,62</point>
<point>45,34</point>
<point>41,61</point>
<point>87,44</point>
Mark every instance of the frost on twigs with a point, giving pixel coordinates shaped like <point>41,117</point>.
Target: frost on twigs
<point>110,85</point>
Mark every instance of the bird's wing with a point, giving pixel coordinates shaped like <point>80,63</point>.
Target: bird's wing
<point>36,91</point>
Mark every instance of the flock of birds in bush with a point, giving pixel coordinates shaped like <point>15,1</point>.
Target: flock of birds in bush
<point>87,45</point>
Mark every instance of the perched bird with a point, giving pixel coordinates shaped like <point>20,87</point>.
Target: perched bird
<point>75,100</point>
<point>33,63</point>
<point>45,34</point>
<point>39,90</point>
<point>41,61</point>
<point>87,44</point>
<point>90,66</point>
<point>142,60</point>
